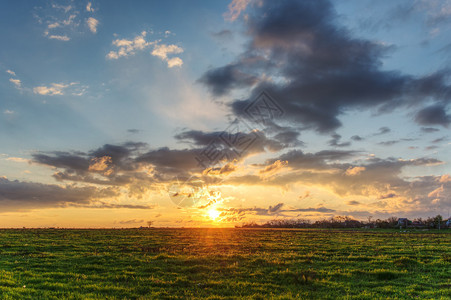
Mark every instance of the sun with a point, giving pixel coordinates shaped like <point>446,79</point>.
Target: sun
<point>213,214</point>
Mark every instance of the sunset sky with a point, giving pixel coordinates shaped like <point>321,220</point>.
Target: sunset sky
<point>107,107</point>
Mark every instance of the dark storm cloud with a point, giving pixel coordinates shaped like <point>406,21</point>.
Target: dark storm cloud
<point>171,161</point>
<point>125,164</point>
<point>120,154</point>
<point>198,137</point>
<point>324,69</point>
<point>17,195</point>
<point>288,138</point>
<point>260,142</point>
<point>221,80</point>
<point>79,162</point>
<point>433,115</point>
<point>318,160</point>
<point>76,162</point>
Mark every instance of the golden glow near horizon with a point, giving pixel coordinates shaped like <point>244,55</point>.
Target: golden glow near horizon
<point>213,214</point>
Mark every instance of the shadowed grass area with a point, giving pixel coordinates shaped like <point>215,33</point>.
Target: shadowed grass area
<point>223,264</point>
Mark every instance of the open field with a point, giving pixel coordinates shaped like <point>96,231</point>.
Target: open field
<point>223,264</point>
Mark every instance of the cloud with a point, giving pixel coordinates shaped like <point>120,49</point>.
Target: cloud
<point>445,178</point>
<point>131,47</point>
<point>134,168</point>
<point>242,139</point>
<point>17,83</point>
<point>436,11</point>
<point>353,171</point>
<point>69,20</point>
<point>226,169</point>
<point>388,143</point>
<point>305,196</point>
<point>433,115</point>
<point>52,90</point>
<point>387,196</point>
<point>380,180</point>
<point>357,138</point>
<point>101,164</point>
<point>18,159</point>
<point>223,34</point>
<point>235,9</point>
<point>63,38</point>
<point>439,140</point>
<point>175,62</point>
<point>133,221</point>
<point>272,168</point>
<point>318,161</point>
<point>8,112</point>
<point>383,130</point>
<point>11,72</point>
<point>53,25</point>
<point>89,7</point>
<point>221,80</point>
<point>317,70</point>
<point>335,141</point>
<point>275,208</point>
<point>162,51</point>
<point>134,131</point>
<point>17,195</point>
<point>270,211</point>
<point>129,164</point>
<point>62,23</point>
<point>92,24</point>
<point>436,193</point>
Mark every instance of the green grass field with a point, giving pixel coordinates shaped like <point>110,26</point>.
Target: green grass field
<point>224,264</point>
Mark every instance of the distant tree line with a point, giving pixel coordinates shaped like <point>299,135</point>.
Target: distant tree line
<point>436,222</point>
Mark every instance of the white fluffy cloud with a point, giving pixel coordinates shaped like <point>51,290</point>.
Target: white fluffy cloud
<point>175,62</point>
<point>89,7</point>
<point>17,83</point>
<point>62,23</point>
<point>128,47</point>
<point>11,72</point>
<point>235,9</point>
<point>92,24</point>
<point>63,38</point>
<point>59,89</point>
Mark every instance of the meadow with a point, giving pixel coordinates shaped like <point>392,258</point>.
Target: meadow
<point>224,264</point>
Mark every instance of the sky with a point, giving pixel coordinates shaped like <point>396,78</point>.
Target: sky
<point>219,113</point>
